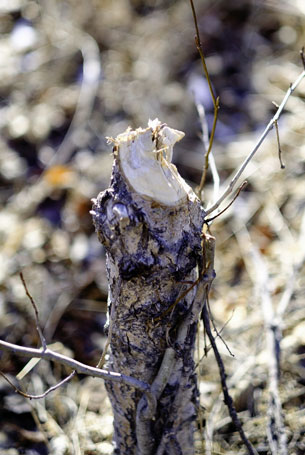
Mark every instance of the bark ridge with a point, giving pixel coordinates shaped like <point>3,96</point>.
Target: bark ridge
<point>153,255</point>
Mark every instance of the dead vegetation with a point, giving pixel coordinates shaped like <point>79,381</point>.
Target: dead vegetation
<point>73,73</point>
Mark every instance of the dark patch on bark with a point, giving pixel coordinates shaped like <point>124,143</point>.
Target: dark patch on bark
<point>151,250</point>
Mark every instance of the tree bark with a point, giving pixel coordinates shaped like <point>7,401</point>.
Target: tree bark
<point>150,223</point>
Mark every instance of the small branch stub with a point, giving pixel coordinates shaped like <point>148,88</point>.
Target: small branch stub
<point>150,222</point>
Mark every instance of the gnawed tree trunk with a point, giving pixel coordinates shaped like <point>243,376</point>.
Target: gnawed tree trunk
<point>150,223</point>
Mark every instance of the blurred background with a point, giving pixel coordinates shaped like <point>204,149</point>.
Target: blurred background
<point>73,73</point>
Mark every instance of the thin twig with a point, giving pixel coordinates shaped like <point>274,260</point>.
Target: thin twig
<point>110,326</point>
<point>227,397</point>
<point>244,369</point>
<point>268,128</point>
<point>200,408</point>
<point>178,299</point>
<point>42,338</point>
<point>82,368</point>
<point>214,98</point>
<point>302,56</point>
<point>217,332</point>
<point>42,395</point>
<point>206,159</point>
<point>205,141</point>
<point>242,186</point>
<point>208,266</point>
<point>199,48</point>
<point>278,144</point>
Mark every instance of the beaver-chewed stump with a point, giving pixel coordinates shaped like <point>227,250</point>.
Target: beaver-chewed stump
<point>150,223</point>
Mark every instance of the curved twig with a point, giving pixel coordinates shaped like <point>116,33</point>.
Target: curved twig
<point>42,395</point>
<point>268,128</point>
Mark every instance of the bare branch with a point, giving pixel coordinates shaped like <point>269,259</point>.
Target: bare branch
<point>209,273</point>
<point>42,395</point>
<point>302,56</point>
<point>268,128</point>
<point>206,164</point>
<point>42,338</point>
<point>227,397</point>
<point>205,140</point>
<point>218,333</point>
<point>199,48</point>
<point>82,368</point>
<point>242,186</point>
<point>209,246</point>
<point>110,327</point>
<point>278,143</point>
<point>215,100</point>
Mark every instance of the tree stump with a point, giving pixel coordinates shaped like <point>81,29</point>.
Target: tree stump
<point>150,223</point>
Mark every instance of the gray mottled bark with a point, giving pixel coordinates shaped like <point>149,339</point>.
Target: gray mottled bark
<point>154,254</point>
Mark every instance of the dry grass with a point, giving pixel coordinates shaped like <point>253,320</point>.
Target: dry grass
<point>82,71</point>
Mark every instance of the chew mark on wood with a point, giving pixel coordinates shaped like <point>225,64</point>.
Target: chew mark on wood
<point>144,157</point>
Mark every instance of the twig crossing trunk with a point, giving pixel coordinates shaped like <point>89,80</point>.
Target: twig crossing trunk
<point>154,262</point>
